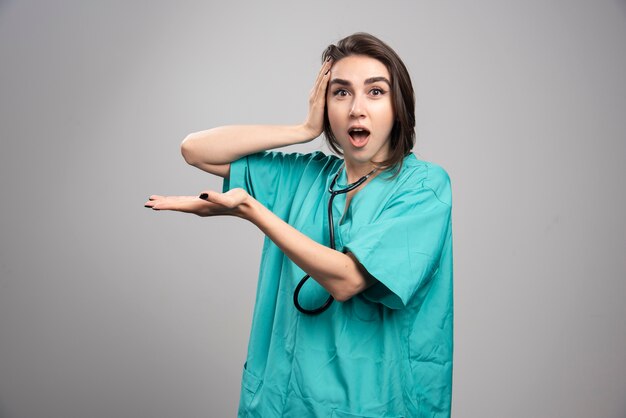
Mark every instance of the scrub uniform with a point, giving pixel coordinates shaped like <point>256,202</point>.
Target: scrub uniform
<point>386,352</point>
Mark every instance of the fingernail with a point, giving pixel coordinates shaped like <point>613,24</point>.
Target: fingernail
<point>328,58</point>
<point>146,206</point>
<point>204,196</point>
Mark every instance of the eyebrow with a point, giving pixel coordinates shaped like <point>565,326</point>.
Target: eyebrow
<point>370,80</point>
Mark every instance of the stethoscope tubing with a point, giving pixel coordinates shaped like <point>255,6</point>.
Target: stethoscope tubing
<point>331,232</point>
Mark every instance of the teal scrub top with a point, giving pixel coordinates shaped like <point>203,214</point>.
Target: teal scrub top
<point>386,352</point>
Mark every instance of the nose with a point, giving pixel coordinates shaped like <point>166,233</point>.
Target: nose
<point>357,111</point>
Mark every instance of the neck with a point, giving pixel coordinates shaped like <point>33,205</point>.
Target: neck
<point>355,171</point>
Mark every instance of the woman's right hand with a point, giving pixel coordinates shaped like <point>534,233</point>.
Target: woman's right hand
<point>314,124</point>
<point>214,149</point>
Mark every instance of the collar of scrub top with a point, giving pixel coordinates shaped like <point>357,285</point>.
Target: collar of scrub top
<point>331,232</point>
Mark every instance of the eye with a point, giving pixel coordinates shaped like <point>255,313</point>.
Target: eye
<point>340,92</point>
<point>377,91</point>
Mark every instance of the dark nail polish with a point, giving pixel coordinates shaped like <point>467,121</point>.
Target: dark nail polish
<point>146,206</point>
<point>204,196</point>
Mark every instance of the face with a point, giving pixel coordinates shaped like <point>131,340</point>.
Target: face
<point>359,108</point>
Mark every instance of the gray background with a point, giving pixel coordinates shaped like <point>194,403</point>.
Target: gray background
<point>111,310</point>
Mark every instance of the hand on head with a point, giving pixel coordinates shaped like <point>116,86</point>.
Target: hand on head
<point>317,101</point>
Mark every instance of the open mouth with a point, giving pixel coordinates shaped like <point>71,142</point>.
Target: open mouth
<point>358,136</point>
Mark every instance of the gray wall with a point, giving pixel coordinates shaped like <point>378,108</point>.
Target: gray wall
<point>111,310</point>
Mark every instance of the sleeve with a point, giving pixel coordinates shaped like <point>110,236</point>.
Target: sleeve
<point>402,248</point>
<point>265,175</point>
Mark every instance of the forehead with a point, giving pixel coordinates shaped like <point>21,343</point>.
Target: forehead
<point>357,68</point>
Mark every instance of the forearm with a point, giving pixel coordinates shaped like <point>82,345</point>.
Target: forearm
<point>225,144</point>
<point>339,273</point>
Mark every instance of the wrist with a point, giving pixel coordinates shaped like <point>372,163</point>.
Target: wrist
<point>307,133</point>
<point>248,209</point>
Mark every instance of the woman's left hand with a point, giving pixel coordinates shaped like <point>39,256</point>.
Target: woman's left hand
<point>209,203</point>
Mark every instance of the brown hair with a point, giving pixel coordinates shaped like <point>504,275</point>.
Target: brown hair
<point>402,137</point>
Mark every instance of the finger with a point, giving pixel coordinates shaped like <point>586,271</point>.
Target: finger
<point>214,197</point>
<point>320,88</point>
<point>323,73</point>
<point>324,84</point>
<point>179,198</point>
<point>328,64</point>
<point>323,69</point>
<point>170,204</point>
<point>152,200</point>
<point>227,200</point>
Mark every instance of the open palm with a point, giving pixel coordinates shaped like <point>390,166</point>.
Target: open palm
<point>213,204</point>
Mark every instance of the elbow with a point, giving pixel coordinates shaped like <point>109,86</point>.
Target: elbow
<point>187,150</point>
<point>346,290</point>
<point>341,296</point>
<point>354,281</point>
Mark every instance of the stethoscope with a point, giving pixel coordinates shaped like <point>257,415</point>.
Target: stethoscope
<point>331,233</point>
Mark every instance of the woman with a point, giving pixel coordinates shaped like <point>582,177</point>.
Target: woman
<point>383,348</point>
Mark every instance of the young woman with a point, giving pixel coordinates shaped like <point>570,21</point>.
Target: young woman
<point>371,334</point>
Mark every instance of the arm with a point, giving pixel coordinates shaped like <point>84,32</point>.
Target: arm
<point>213,150</point>
<point>340,274</point>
